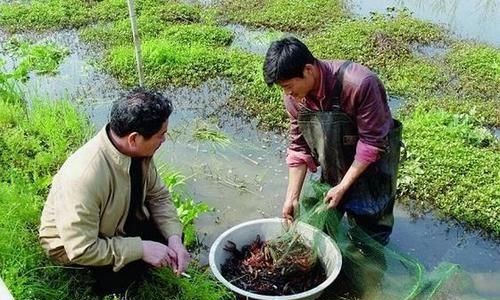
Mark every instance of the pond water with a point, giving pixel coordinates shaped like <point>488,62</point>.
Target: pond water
<point>247,179</point>
<point>478,19</point>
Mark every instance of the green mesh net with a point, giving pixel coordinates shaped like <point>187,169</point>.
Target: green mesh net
<point>373,271</point>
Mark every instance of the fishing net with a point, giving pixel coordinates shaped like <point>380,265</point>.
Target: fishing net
<point>373,271</point>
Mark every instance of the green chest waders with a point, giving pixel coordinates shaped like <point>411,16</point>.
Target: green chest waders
<point>332,137</point>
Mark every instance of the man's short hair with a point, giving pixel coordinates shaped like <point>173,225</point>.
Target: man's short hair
<point>140,111</point>
<point>286,59</point>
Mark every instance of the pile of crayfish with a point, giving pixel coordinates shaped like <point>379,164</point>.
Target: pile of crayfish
<point>276,267</point>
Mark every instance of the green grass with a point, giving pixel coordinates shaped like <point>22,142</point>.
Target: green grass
<point>164,285</point>
<point>33,147</point>
<point>58,14</point>
<point>118,33</point>
<point>283,15</point>
<point>167,63</point>
<point>42,15</point>
<point>29,58</point>
<point>203,132</point>
<point>452,165</point>
<point>477,68</point>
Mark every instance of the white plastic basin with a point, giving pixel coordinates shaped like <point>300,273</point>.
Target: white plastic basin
<point>245,233</point>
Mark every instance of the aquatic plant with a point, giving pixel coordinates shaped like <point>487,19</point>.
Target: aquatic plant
<point>204,133</point>
<point>42,15</point>
<point>451,165</point>
<point>477,67</point>
<point>283,15</point>
<point>188,209</point>
<point>41,59</point>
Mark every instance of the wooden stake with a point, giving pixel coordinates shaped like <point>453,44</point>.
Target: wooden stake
<point>137,41</point>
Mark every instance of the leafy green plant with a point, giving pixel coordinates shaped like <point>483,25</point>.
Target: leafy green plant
<point>168,62</point>
<point>188,209</point>
<point>10,91</point>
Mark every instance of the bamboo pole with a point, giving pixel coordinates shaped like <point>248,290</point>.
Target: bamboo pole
<point>137,41</point>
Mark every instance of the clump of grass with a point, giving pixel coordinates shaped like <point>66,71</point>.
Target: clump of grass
<point>10,91</point>
<point>167,62</point>
<point>208,35</point>
<point>59,14</point>
<point>413,78</point>
<point>204,133</point>
<point>283,15</point>
<point>33,145</point>
<point>484,112</point>
<point>42,59</point>
<point>451,165</point>
<point>42,15</point>
<point>478,70</point>
<point>38,145</point>
<point>111,10</point>
<point>119,32</point>
<point>174,12</point>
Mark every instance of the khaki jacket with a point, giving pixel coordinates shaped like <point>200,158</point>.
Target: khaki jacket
<point>83,219</point>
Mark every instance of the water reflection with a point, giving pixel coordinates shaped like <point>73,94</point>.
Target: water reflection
<point>255,41</point>
<point>429,51</point>
<point>477,19</point>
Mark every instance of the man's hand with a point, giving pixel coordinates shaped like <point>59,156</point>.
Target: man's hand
<point>180,258</point>
<point>289,208</point>
<point>157,254</point>
<point>334,195</point>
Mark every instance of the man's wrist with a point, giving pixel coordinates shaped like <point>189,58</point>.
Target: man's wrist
<point>343,186</point>
<point>175,238</point>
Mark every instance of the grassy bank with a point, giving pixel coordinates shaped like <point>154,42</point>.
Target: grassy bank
<point>187,44</point>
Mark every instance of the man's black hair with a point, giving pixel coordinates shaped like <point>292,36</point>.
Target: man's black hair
<point>140,111</point>
<point>286,59</point>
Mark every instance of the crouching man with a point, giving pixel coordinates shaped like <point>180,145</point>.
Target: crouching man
<point>108,208</point>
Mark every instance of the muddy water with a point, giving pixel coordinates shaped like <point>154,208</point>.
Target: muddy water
<point>247,178</point>
<point>478,19</point>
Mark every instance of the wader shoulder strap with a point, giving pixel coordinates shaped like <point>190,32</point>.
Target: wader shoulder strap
<point>337,87</point>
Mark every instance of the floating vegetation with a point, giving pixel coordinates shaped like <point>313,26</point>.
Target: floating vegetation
<point>203,133</point>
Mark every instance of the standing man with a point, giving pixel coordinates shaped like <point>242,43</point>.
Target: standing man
<point>339,120</point>
<point>108,208</point>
